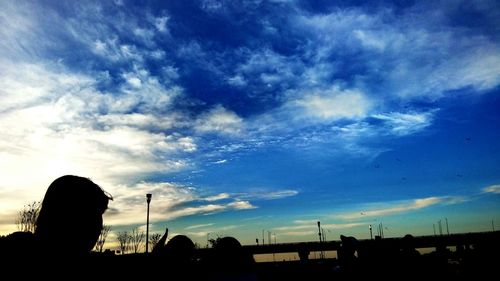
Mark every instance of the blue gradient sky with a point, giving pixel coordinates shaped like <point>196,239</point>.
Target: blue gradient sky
<point>244,116</point>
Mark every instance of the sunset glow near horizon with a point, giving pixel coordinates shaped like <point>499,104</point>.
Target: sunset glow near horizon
<point>251,117</point>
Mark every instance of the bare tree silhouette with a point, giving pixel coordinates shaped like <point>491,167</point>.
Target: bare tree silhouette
<point>99,246</point>
<point>137,239</point>
<point>26,218</point>
<point>154,239</point>
<point>124,241</point>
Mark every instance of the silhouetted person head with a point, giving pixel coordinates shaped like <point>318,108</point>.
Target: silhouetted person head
<point>346,253</point>
<point>179,250</point>
<point>230,256</point>
<point>408,244</point>
<point>70,217</point>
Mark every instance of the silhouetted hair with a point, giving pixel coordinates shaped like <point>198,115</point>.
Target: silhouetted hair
<point>230,254</point>
<point>179,249</point>
<point>71,214</point>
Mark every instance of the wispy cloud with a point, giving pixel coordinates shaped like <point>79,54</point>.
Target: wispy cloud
<point>218,197</point>
<point>313,226</point>
<point>212,231</point>
<point>332,105</point>
<point>392,208</point>
<point>199,226</point>
<point>267,195</point>
<point>405,123</point>
<point>220,120</point>
<point>310,227</point>
<point>169,201</point>
<point>492,189</point>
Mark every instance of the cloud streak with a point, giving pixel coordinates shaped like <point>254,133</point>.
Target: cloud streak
<point>393,208</point>
<point>495,189</point>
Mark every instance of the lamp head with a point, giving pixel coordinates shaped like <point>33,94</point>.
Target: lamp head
<point>148,196</point>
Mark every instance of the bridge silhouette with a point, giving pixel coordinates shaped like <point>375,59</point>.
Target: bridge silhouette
<point>465,240</point>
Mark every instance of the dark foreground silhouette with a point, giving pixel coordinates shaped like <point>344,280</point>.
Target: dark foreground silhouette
<point>228,260</point>
<point>70,221</point>
<point>67,228</point>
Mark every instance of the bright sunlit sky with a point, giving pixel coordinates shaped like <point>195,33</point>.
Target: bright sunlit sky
<point>244,116</point>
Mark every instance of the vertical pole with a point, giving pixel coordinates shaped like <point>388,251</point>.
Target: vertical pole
<point>492,225</point>
<point>371,234</point>
<point>447,229</point>
<point>434,227</point>
<point>320,240</point>
<point>263,241</point>
<point>148,199</point>
<point>319,231</point>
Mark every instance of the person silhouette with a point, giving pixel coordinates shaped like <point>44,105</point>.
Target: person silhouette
<point>346,254</point>
<point>231,261</point>
<point>69,222</point>
<point>70,218</point>
<point>178,251</point>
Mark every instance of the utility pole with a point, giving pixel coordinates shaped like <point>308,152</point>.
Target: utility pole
<point>320,240</point>
<point>371,234</point>
<point>319,231</point>
<point>148,199</point>
<point>440,227</point>
<point>447,229</point>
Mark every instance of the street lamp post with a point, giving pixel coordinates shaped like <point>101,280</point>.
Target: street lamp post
<point>148,199</point>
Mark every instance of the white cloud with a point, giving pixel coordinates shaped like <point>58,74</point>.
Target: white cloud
<point>169,201</point>
<point>334,104</point>
<point>241,205</point>
<point>199,226</point>
<point>111,49</point>
<point>161,23</point>
<point>219,120</point>
<point>407,56</point>
<point>237,81</point>
<point>52,124</point>
<point>492,189</point>
<point>391,208</point>
<point>217,197</point>
<point>268,195</point>
<point>406,123</point>
<point>266,67</point>
<point>299,233</point>
<point>369,40</point>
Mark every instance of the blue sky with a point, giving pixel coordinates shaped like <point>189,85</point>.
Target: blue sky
<point>243,116</point>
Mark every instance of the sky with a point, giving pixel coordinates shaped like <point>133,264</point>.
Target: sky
<point>250,117</point>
